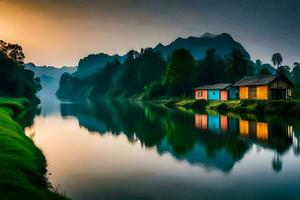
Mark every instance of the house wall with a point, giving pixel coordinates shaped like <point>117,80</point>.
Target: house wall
<point>224,95</point>
<point>201,94</point>
<point>213,94</point>
<point>280,83</point>
<point>232,94</point>
<point>254,92</point>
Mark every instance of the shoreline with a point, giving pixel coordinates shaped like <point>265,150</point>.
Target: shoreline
<point>23,166</point>
<point>287,107</point>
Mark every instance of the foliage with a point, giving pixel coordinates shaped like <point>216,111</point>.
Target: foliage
<point>238,66</point>
<point>180,73</point>
<point>154,90</point>
<point>13,52</point>
<point>264,72</point>
<point>94,63</point>
<point>15,81</point>
<point>22,166</point>
<point>139,70</point>
<point>277,59</point>
<point>284,70</point>
<point>208,70</point>
<point>68,85</point>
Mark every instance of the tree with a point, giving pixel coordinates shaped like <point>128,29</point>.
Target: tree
<point>15,81</point>
<point>264,72</point>
<point>284,70</point>
<point>258,62</point>
<point>277,59</point>
<point>295,74</point>
<point>180,72</point>
<point>210,68</point>
<point>139,70</point>
<point>12,51</point>
<point>238,66</point>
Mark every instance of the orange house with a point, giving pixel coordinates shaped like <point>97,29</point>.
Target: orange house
<point>268,87</point>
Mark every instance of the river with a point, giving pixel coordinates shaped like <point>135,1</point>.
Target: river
<point>108,149</point>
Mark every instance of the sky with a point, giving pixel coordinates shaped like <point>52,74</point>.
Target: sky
<point>59,33</point>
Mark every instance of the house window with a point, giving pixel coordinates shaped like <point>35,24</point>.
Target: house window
<point>244,92</point>
<point>262,92</point>
<point>200,94</point>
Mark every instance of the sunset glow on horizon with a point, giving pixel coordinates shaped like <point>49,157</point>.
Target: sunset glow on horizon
<point>60,33</point>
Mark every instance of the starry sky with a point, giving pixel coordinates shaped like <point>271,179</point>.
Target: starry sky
<point>59,33</point>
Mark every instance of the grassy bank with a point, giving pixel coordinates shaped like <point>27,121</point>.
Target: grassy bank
<point>22,164</point>
<point>243,106</point>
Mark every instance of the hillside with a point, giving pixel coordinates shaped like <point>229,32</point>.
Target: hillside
<point>49,76</point>
<point>94,63</point>
<point>223,44</point>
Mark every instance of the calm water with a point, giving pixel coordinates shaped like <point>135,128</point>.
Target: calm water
<point>122,150</point>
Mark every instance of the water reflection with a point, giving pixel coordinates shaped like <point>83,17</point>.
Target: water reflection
<point>210,140</point>
<point>123,150</point>
<point>267,132</point>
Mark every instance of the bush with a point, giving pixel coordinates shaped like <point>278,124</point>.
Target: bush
<point>172,103</point>
<point>223,107</point>
<point>278,107</point>
<point>154,90</point>
<point>200,104</point>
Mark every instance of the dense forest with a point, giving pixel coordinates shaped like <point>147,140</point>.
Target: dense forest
<point>15,80</point>
<point>148,75</point>
<point>170,71</point>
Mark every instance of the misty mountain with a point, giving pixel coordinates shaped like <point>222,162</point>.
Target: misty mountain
<point>94,63</point>
<point>197,46</point>
<point>49,76</point>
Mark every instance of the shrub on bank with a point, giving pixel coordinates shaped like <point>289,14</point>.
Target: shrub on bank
<point>200,104</point>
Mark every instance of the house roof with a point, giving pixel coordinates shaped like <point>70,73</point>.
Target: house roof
<point>219,86</point>
<point>257,80</point>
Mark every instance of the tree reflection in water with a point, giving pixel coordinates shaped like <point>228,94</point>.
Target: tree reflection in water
<point>210,140</point>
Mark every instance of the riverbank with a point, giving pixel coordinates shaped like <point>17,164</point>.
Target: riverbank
<point>241,106</point>
<point>22,165</point>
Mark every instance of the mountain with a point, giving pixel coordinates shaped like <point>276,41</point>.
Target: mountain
<point>94,63</point>
<point>223,44</point>
<point>49,76</point>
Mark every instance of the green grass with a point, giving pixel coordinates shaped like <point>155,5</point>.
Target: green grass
<point>22,164</point>
<point>245,106</point>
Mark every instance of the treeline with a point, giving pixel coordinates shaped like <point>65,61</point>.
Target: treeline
<point>147,75</point>
<point>292,72</point>
<point>15,81</point>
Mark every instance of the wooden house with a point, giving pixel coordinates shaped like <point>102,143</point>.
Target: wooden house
<point>221,91</point>
<point>269,87</point>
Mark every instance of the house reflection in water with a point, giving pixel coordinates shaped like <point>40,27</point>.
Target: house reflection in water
<point>258,130</point>
<point>214,123</point>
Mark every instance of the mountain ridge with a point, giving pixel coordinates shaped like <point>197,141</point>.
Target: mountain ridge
<point>223,43</point>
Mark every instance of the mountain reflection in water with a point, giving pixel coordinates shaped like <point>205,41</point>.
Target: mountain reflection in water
<point>209,140</point>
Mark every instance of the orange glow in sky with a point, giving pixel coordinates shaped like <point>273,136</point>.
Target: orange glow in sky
<point>60,32</point>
